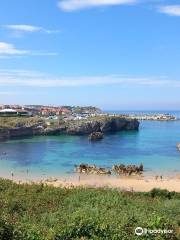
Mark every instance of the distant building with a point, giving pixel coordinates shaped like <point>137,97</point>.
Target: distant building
<point>65,111</point>
<point>22,112</point>
<point>8,112</point>
<point>54,111</point>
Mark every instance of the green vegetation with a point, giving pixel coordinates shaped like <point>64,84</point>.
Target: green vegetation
<point>98,118</point>
<point>10,122</point>
<point>39,212</point>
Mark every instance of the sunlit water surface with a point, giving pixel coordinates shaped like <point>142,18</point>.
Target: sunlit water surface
<point>154,145</point>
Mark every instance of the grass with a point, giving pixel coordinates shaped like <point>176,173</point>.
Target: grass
<point>10,122</point>
<point>39,212</point>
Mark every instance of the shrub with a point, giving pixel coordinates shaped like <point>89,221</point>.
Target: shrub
<point>40,212</point>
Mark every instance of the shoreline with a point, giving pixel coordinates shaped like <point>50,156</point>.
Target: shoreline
<point>134,183</point>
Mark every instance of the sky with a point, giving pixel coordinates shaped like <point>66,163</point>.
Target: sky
<point>113,54</point>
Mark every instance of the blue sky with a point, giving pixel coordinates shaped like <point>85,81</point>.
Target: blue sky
<point>114,54</point>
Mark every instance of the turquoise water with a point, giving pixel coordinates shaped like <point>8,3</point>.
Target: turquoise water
<point>154,145</point>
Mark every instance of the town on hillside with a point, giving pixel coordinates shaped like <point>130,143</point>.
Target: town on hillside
<point>74,113</point>
<point>51,112</point>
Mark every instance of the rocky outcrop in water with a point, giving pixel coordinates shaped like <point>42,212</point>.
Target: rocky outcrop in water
<point>128,170</point>
<point>104,125</point>
<point>178,146</point>
<point>96,136</point>
<point>91,169</point>
<point>21,132</point>
<point>118,169</point>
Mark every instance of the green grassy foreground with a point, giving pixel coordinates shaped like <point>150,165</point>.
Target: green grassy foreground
<point>38,212</point>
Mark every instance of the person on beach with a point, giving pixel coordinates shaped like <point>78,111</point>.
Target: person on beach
<point>12,175</point>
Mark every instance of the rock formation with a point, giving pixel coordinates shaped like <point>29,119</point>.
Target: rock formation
<point>128,170</point>
<point>101,125</point>
<point>95,136</point>
<point>104,125</point>
<point>91,169</point>
<point>118,169</point>
<point>21,131</point>
<point>178,146</point>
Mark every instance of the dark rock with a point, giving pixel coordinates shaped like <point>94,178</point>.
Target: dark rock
<point>128,170</point>
<point>95,136</point>
<point>105,125</point>
<point>141,167</point>
<point>4,133</point>
<point>91,169</point>
<point>178,146</point>
<point>82,128</point>
<point>55,131</point>
<point>20,131</point>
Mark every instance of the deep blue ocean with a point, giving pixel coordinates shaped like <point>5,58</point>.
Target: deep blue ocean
<point>154,145</point>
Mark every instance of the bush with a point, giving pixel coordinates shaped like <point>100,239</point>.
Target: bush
<point>156,192</point>
<point>40,212</point>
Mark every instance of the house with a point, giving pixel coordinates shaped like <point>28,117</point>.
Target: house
<point>8,112</point>
<point>65,111</point>
<point>22,112</point>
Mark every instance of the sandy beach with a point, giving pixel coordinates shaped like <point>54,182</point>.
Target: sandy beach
<point>139,184</point>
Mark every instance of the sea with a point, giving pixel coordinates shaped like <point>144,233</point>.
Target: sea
<point>153,145</point>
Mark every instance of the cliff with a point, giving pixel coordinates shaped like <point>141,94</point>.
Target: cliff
<point>20,132</point>
<point>76,127</point>
<point>104,125</point>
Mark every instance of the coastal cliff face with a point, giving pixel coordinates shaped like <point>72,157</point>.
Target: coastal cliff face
<point>105,126</point>
<point>20,132</point>
<point>85,127</point>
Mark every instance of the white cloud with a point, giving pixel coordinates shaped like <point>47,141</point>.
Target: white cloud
<point>73,5</point>
<point>7,50</point>
<point>172,10</point>
<point>29,28</point>
<point>37,79</point>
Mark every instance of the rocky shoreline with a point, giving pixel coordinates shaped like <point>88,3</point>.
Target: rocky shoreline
<point>178,146</point>
<point>117,169</point>
<point>85,127</point>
